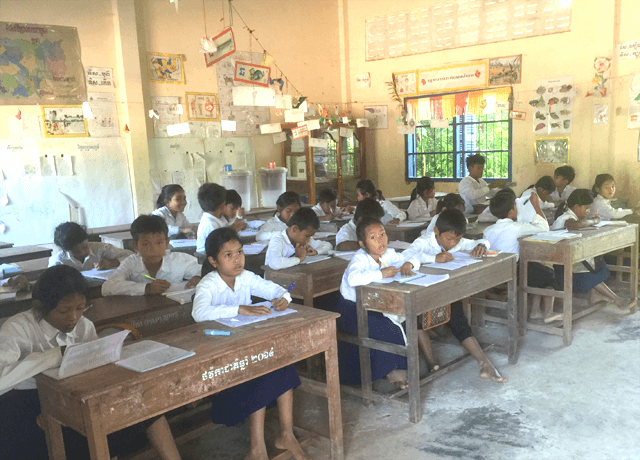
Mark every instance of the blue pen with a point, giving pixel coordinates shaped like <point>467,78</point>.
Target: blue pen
<point>216,332</point>
<point>275,302</point>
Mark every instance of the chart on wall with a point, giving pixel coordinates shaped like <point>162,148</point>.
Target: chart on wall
<point>40,64</point>
<point>553,103</point>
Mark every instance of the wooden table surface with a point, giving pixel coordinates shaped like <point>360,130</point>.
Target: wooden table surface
<point>593,242</point>
<point>109,398</point>
<point>312,280</point>
<point>122,240</point>
<point>22,253</point>
<point>408,234</point>
<point>150,315</point>
<point>411,301</point>
<point>5,245</point>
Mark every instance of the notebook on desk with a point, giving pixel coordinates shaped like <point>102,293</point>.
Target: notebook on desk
<point>147,355</point>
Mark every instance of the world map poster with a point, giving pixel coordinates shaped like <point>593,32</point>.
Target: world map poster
<point>40,64</point>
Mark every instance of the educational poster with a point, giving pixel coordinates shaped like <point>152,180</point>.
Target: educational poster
<point>634,102</point>
<point>40,64</point>
<point>167,109</point>
<point>406,83</point>
<point>453,78</point>
<point>553,103</point>
<point>165,68</point>
<point>505,70</point>
<point>226,45</point>
<point>64,121</point>
<point>376,116</point>
<point>552,150</point>
<point>600,83</point>
<point>99,77</point>
<point>202,106</point>
<point>105,115</point>
<point>253,74</point>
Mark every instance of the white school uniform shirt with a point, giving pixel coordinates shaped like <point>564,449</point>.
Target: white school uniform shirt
<point>605,210</point>
<point>564,196</point>
<point>432,225</point>
<point>174,223</point>
<point>420,211</point>
<point>129,279</point>
<point>425,248</point>
<point>559,225</point>
<point>486,216</point>
<point>208,223</point>
<point>391,212</point>
<point>543,204</point>
<point>215,299</point>
<point>29,345</point>
<point>280,252</point>
<point>270,228</point>
<point>97,251</point>
<point>472,192</point>
<point>318,210</point>
<point>504,234</point>
<point>347,233</point>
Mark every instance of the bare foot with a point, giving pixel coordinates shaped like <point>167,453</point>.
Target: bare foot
<point>399,377</point>
<point>487,371</point>
<point>259,453</point>
<point>432,367</point>
<point>287,441</point>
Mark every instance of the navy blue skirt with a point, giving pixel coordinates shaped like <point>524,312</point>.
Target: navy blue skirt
<point>583,282</point>
<point>233,405</point>
<point>22,438</point>
<point>380,328</point>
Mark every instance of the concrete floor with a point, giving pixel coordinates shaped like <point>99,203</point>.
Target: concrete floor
<point>579,402</point>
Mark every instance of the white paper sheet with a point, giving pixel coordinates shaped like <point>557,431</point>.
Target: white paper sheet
<point>98,274</point>
<point>408,223</point>
<point>398,244</point>
<point>399,278</point>
<point>279,138</point>
<point>183,243</point>
<point>428,280</point>
<point>284,101</point>
<point>552,236</point>
<point>314,259</point>
<point>460,259</point>
<point>182,297</point>
<point>248,232</point>
<point>270,128</point>
<point>148,356</point>
<point>311,124</point>
<point>180,128</point>
<point>318,143</point>
<point>254,96</point>
<point>242,320</point>
<point>318,235</point>
<point>228,125</point>
<point>362,123</point>
<point>85,356</point>
<point>293,115</point>
<point>255,248</point>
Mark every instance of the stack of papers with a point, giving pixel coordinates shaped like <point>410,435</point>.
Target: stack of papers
<point>241,320</point>
<point>460,259</point>
<point>552,237</point>
<point>400,279</point>
<point>248,232</point>
<point>98,274</point>
<point>185,243</point>
<point>148,355</point>
<point>253,248</point>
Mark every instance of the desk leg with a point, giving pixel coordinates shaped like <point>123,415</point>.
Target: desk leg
<point>53,435</point>
<point>633,276</point>
<point>413,362</point>
<point>512,318</point>
<point>365,353</point>
<point>567,300</point>
<point>333,397</point>
<point>97,438</point>
<point>523,307</point>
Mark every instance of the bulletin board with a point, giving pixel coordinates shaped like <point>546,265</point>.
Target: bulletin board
<point>39,198</point>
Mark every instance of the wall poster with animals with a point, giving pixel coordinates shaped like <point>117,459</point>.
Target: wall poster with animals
<point>505,70</point>
<point>553,103</point>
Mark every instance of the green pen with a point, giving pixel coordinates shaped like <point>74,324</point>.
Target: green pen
<point>150,277</point>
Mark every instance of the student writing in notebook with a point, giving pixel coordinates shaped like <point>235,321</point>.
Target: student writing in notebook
<point>347,237</point>
<point>79,253</point>
<point>226,292</point>
<point>392,215</point>
<point>287,204</point>
<point>423,203</point>
<point>34,341</point>
<point>170,206</point>
<point>233,212</point>
<point>153,269</point>
<point>291,246</point>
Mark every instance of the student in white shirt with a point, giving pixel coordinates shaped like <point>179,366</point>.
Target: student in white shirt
<point>170,206</point>
<point>473,189</point>
<point>449,201</point>
<point>226,292</point>
<point>438,247</point>
<point>590,274</point>
<point>327,207</point>
<point>392,215</point>
<point>604,189</point>
<point>486,216</point>
<point>233,212</point>
<point>503,236</point>
<point>287,204</point>
<point>562,177</point>
<point>79,253</point>
<point>211,198</point>
<point>153,269</point>
<point>423,203</point>
<point>34,341</point>
<point>293,245</point>
<point>347,238</point>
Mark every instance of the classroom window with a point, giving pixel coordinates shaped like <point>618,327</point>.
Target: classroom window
<point>442,152</point>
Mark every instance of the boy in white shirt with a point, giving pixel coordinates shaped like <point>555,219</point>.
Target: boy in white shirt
<point>293,245</point>
<point>473,189</point>
<point>504,235</point>
<point>79,253</point>
<point>327,207</point>
<point>233,212</point>
<point>211,198</point>
<point>153,269</point>
<point>287,205</point>
<point>347,238</point>
<point>562,177</point>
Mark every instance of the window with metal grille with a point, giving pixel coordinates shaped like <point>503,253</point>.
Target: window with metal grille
<point>442,152</point>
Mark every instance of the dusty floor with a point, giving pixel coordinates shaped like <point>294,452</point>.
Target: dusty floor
<point>580,402</point>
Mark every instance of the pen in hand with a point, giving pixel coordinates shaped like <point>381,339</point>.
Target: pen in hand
<point>150,277</point>
<point>275,302</point>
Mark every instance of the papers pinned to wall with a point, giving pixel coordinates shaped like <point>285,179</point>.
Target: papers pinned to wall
<point>279,137</point>
<point>228,125</point>
<point>300,132</point>
<point>311,124</point>
<point>270,128</point>
<point>47,166</point>
<point>362,123</point>
<point>293,116</point>
<point>253,96</point>
<point>284,102</point>
<point>64,165</point>
<point>165,108</point>
<point>180,128</point>
<point>105,115</point>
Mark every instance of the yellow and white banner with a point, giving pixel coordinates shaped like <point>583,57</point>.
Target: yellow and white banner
<point>453,78</point>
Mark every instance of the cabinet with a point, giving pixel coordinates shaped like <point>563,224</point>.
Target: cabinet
<point>339,165</point>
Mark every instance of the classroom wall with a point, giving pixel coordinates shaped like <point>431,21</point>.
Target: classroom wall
<point>593,148</point>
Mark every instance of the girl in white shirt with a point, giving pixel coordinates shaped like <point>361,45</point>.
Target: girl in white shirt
<point>226,292</point>
<point>392,215</point>
<point>170,206</point>
<point>590,274</point>
<point>423,203</point>
<point>449,201</point>
<point>34,341</point>
<point>287,204</point>
<point>604,189</point>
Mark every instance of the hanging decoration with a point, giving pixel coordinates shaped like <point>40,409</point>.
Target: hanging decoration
<point>225,46</point>
<point>602,66</point>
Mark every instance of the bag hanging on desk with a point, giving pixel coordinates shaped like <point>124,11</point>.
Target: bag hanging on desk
<point>435,317</point>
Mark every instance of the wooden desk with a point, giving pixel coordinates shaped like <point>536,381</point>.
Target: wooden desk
<point>594,242</point>
<point>122,240</point>
<point>408,234</point>
<point>110,398</point>
<point>475,230</point>
<point>312,280</point>
<point>401,202</point>
<point>411,301</point>
<point>5,245</point>
<point>150,315</point>
<point>22,253</point>
<point>96,232</point>
<point>32,269</point>
<point>260,213</point>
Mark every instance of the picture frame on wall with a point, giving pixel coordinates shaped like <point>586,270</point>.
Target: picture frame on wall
<point>202,106</point>
<point>226,44</point>
<point>505,70</point>
<point>64,121</point>
<point>166,68</point>
<point>253,74</point>
<point>377,116</point>
<point>552,150</point>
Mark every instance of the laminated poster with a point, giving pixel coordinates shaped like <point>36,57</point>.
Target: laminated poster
<point>553,104</point>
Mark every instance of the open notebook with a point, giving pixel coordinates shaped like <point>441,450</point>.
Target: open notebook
<point>241,320</point>
<point>148,355</point>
